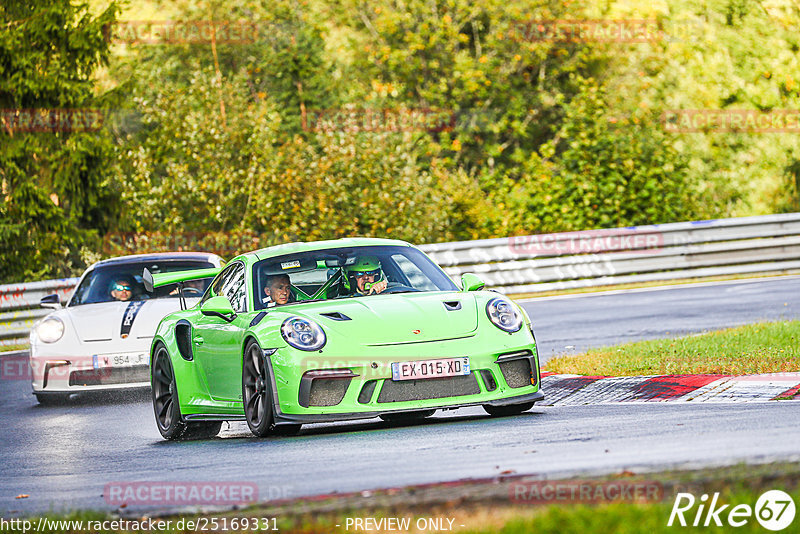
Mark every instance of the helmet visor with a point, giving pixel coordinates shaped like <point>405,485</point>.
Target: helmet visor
<point>373,273</point>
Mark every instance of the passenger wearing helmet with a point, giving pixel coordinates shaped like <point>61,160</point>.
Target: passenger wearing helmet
<point>365,276</point>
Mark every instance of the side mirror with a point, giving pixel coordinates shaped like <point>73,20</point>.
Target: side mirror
<point>471,282</point>
<point>51,301</point>
<point>218,307</point>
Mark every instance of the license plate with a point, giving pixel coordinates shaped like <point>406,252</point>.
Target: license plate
<point>430,368</point>
<point>126,359</point>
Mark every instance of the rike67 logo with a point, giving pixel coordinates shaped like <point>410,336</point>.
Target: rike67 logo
<point>774,510</point>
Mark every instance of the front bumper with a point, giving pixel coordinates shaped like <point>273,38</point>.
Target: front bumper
<point>504,372</point>
<point>58,373</point>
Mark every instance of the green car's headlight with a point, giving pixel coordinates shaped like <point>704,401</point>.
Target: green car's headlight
<point>303,334</point>
<point>504,314</point>
<point>50,330</point>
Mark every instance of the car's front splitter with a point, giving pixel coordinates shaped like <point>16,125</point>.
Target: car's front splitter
<point>281,417</point>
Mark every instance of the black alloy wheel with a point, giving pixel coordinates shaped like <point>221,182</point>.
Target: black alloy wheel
<point>256,391</point>
<point>166,405</point>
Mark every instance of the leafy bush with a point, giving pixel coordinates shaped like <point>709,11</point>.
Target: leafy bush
<point>56,196</point>
<point>535,135</point>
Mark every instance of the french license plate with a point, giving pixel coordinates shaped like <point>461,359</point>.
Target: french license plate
<point>125,359</point>
<point>430,368</point>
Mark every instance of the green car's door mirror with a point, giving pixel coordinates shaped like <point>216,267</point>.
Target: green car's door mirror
<point>218,307</point>
<point>471,282</point>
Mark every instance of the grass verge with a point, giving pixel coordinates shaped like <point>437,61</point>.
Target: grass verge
<point>495,505</point>
<point>14,348</point>
<point>769,347</point>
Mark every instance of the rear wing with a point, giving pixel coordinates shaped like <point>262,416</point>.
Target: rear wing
<point>152,281</point>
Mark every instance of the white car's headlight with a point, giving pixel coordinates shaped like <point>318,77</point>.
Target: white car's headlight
<point>504,314</point>
<point>303,334</point>
<point>50,330</point>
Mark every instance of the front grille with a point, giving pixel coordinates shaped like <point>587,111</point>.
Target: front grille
<point>109,376</point>
<point>516,372</point>
<point>430,388</point>
<point>327,391</point>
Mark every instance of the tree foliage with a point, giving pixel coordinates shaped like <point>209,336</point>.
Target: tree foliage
<point>197,174</point>
<point>56,198</point>
<point>538,135</point>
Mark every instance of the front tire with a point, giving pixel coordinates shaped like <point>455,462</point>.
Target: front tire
<point>257,391</point>
<point>512,409</point>
<point>167,406</point>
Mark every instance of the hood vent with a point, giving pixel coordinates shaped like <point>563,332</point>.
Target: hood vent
<point>336,316</point>
<point>452,305</point>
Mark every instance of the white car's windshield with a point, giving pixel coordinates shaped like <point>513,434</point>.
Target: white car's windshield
<point>123,282</point>
<point>345,272</point>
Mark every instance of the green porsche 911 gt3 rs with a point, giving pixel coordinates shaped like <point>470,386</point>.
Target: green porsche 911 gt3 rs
<point>336,330</point>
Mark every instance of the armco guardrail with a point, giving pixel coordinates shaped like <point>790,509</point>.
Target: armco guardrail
<point>19,307</point>
<point>544,262</point>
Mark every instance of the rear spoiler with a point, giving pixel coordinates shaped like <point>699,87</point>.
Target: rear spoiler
<point>152,281</point>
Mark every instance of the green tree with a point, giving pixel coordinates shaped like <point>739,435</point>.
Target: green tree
<point>194,175</point>
<point>719,55</point>
<point>602,171</point>
<point>56,197</point>
<point>789,200</point>
<point>480,60</point>
<point>281,57</point>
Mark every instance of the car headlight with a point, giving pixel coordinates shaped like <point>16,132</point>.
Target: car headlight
<point>50,330</point>
<point>504,314</point>
<point>303,334</point>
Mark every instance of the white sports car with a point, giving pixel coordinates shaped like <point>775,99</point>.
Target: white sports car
<point>101,338</point>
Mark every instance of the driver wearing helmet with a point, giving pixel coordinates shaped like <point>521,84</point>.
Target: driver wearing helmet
<point>364,277</point>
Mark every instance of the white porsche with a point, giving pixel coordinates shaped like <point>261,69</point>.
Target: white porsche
<point>101,338</point>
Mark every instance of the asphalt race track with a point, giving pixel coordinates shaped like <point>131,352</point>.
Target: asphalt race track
<point>63,457</point>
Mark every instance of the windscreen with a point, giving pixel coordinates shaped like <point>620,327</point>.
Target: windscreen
<point>347,272</point>
<point>123,282</point>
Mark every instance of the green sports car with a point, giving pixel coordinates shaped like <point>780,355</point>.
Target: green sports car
<point>336,330</point>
